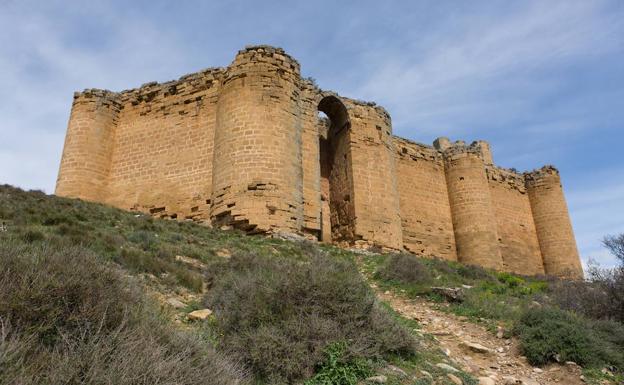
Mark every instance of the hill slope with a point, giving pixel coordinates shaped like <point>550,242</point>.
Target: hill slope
<point>94,295</point>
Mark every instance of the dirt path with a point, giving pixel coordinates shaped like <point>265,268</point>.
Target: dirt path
<point>477,351</point>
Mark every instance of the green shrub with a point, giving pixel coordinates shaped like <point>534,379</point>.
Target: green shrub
<point>52,293</point>
<point>67,318</point>
<point>472,272</point>
<point>510,280</point>
<point>554,335</point>
<point>611,335</point>
<point>31,236</point>
<point>405,268</point>
<point>338,371</point>
<point>550,334</point>
<point>279,315</point>
<point>145,239</point>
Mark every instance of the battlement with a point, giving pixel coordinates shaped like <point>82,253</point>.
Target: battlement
<point>244,147</point>
<point>535,176</point>
<point>265,53</point>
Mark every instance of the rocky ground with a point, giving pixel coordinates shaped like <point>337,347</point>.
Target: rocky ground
<point>490,357</point>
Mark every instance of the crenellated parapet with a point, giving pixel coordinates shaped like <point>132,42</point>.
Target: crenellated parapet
<point>511,179</point>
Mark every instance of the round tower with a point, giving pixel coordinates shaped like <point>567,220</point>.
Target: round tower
<point>552,223</point>
<point>89,145</point>
<point>474,223</point>
<point>257,164</point>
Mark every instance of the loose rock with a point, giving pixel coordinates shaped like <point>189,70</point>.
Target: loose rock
<point>381,379</point>
<point>396,370</point>
<point>528,381</point>
<point>452,294</point>
<point>176,303</point>
<point>199,314</point>
<point>477,348</point>
<point>454,379</point>
<point>447,367</point>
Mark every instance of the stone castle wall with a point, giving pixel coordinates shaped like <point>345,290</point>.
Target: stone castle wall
<point>245,147</point>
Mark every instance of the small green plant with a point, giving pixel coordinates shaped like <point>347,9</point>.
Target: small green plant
<point>510,280</point>
<point>406,269</point>
<point>551,334</point>
<point>31,236</point>
<point>338,369</point>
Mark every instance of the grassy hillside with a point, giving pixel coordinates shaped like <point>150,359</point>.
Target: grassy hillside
<point>82,284</point>
<point>85,294</point>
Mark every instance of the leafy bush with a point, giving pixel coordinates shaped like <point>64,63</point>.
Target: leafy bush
<point>554,335</point>
<point>550,334</point>
<point>405,268</point>
<point>473,272</point>
<point>336,371</point>
<point>67,318</point>
<point>610,335</point>
<point>279,315</point>
<point>31,236</point>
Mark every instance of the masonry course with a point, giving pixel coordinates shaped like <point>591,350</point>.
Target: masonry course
<point>255,146</point>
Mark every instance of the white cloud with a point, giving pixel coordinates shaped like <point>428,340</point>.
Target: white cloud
<point>597,209</point>
<point>40,68</point>
<point>489,64</point>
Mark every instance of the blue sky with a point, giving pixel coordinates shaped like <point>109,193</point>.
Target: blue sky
<point>542,81</point>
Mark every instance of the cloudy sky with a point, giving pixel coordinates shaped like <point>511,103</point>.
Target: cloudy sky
<point>543,81</point>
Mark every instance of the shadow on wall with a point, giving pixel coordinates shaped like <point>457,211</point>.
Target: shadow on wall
<point>337,211</point>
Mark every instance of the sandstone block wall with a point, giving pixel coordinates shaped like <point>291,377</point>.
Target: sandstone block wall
<point>427,224</point>
<point>255,146</point>
<point>517,237</point>
<point>89,143</point>
<point>552,223</point>
<point>257,180</point>
<point>476,234</point>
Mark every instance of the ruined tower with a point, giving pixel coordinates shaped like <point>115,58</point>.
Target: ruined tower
<point>257,169</point>
<point>552,222</point>
<point>476,235</point>
<point>88,145</point>
<point>255,146</point>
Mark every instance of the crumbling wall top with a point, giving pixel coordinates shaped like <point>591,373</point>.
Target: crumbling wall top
<point>100,97</point>
<point>460,149</point>
<point>196,81</point>
<point>263,53</point>
<point>406,148</point>
<point>508,177</point>
<point>540,174</point>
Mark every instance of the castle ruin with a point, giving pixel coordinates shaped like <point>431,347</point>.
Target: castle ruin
<point>245,147</point>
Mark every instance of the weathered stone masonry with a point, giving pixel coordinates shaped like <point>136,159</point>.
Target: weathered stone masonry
<point>245,147</point>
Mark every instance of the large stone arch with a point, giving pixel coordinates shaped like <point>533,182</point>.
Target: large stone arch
<point>336,171</point>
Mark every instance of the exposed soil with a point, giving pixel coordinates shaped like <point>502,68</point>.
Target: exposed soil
<point>501,360</point>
